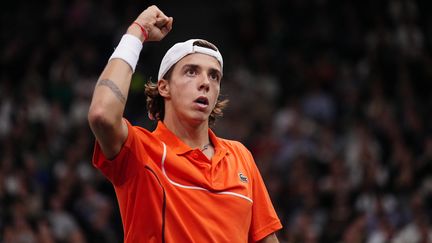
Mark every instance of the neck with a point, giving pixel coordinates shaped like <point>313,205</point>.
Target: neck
<point>194,135</point>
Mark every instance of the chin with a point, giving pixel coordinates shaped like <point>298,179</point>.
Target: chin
<point>198,120</point>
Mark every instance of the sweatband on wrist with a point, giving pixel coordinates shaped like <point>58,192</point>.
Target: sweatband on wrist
<point>128,50</point>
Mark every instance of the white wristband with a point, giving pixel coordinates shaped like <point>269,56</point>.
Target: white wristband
<point>128,50</point>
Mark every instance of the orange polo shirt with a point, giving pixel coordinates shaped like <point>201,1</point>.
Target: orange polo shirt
<point>169,192</point>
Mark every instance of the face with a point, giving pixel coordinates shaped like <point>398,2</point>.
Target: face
<point>191,93</point>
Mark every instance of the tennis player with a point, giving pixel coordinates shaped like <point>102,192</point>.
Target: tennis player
<point>179,183</point>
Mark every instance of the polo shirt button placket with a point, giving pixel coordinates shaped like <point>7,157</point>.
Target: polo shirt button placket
<point>195,155</point>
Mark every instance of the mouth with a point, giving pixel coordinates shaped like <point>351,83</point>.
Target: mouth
<point>202,101</point>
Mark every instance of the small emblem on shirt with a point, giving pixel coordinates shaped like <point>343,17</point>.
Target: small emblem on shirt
<point>243,178</point>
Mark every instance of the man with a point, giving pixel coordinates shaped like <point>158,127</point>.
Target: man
<point>179,183</point>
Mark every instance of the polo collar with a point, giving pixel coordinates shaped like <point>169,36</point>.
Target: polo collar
<point>179,147</point>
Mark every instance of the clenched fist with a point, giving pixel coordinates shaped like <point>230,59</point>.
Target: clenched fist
<point>155,23</point>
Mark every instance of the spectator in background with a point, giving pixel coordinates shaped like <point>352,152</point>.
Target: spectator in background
<point>371,59</point>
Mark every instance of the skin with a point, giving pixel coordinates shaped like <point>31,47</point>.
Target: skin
<point>196,75</point>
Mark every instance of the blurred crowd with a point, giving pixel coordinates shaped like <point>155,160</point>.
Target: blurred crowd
<point>333,98</point>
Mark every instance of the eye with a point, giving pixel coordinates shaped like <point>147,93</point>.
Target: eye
<point>214,76</point>
<point>190,72</point>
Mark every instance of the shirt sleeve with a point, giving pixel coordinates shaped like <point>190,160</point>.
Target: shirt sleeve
<point>124,165</point>
<point>264,218</point>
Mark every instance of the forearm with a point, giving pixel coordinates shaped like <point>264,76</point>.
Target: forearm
<point>111,91</point>
<point>108,104</point>
<point>112,88</point>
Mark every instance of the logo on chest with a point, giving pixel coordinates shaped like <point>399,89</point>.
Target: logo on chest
<point>243,178</point>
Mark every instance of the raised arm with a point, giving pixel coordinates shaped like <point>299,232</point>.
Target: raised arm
<point>111,91</point>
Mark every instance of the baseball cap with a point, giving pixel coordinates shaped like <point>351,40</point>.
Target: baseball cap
<point>182,49</point>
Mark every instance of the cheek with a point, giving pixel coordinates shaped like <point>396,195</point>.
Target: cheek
<point>216,88</point>
<point>182,89</point>
<point>216,94</point>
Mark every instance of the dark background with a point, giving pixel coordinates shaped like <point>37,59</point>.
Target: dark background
<point>333,98</point>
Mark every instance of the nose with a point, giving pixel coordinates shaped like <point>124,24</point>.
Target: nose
<point>205,83</point>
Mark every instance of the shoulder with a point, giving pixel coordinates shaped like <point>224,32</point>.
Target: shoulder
<point>237,149</point>
<point>140,135</point>
<point>233,144</point>
<point>138,130</point>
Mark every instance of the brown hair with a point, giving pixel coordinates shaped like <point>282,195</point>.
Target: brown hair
<point>156,103</point>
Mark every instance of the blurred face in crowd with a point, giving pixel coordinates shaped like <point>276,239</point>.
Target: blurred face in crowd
<point>192,91</point>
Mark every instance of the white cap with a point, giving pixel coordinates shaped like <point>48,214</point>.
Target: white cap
<point>182,49</point>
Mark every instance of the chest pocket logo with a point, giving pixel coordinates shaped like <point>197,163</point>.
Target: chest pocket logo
<point>243,178</point>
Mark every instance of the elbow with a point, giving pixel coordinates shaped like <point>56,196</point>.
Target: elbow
<point>100,119</point>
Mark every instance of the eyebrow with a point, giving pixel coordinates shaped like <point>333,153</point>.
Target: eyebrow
<point>195,66</point>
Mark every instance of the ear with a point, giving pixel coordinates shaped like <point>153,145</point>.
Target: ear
<point>163,88</point>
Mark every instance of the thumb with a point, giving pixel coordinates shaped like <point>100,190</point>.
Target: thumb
<point>168,26</point>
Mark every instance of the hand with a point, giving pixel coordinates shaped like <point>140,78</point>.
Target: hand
<point>155,22</point>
